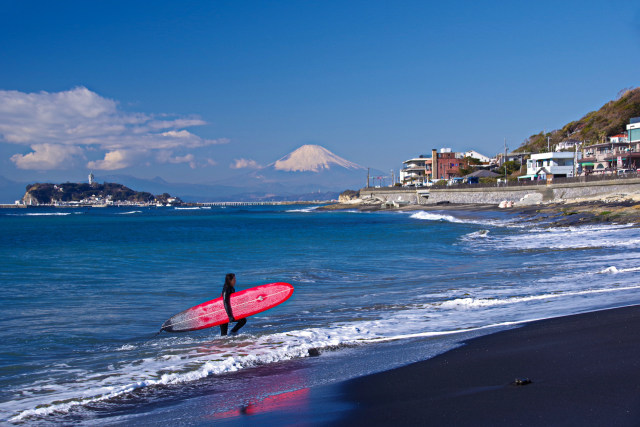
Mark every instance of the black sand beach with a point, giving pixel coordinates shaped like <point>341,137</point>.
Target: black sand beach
<point>584,370</point>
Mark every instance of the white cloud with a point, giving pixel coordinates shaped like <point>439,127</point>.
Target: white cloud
<point>117,159</point>
<point>168,157</point>
<point>244,164</point>
<point>61,125</point>
<point>46,157</point>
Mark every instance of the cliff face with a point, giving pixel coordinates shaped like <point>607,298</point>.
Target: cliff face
<point>43,193</point>
<point>348,195</point>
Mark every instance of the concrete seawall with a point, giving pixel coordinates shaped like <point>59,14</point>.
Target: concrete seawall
<point>493,195</point>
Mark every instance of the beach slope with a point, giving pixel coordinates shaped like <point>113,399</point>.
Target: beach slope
<point>584,370</point>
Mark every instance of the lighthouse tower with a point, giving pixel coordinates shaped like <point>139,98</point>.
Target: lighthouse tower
<point>91,178</point>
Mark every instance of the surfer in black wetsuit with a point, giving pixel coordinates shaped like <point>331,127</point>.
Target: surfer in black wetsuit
<point>227,290</point>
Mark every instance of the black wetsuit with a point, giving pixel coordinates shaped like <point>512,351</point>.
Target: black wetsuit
<point>227,290</point>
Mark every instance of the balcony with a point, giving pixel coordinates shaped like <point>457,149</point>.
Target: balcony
<point>413,166</point>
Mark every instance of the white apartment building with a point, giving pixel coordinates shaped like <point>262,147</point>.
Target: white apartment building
<point>557,164</point>
<point>414,171</point>
<point>475,155</point>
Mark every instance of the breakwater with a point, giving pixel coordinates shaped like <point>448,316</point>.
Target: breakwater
<point>527,194</point>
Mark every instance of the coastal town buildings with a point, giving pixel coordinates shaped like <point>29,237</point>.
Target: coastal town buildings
<point>610,157</point>
<point>620,155</point>
<point>443,164</point>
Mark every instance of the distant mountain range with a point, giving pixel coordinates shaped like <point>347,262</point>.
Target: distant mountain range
<point>11,191</point>
<point>309,173</point>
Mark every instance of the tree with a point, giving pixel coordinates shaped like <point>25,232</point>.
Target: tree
<point>512,166</point>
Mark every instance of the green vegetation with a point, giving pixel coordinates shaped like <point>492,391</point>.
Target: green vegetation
<point>512,167</point>
<point>611,119</point>
<point>488,180</point>
<point>470,161</point>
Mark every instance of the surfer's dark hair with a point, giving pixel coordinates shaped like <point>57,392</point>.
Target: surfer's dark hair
<point>228,278</point>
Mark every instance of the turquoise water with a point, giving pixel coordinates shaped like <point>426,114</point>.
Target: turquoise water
<point>83,291</point>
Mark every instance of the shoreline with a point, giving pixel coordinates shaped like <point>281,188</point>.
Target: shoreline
<point>570,370</point>
<point>620,209</point>
<point>582,368</point>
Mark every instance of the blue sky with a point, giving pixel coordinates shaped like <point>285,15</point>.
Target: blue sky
<point>192,91</point>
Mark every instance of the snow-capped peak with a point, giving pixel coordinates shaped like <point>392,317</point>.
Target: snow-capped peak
<point>312,158</point>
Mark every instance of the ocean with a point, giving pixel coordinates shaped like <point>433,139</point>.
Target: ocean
<point>84,290</point>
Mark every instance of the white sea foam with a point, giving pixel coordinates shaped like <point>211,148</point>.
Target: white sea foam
<point>126,347</point>
<point>434,216</point>
<point>429,216</point>
<point>305,210</point>
<point>615,270</point>
<point>566,238</point>
<point>129,213</point>
<point>45,214</point>
<point>471,303</point>
<point>480,234</point>
<point>192,208</point>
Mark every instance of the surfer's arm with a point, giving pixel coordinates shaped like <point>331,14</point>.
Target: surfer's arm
<point>226,296</point>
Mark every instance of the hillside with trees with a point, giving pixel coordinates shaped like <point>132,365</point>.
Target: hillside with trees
<point>46,193</point>
<point>594,127</point>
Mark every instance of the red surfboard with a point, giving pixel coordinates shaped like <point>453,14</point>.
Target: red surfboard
<point>243,304</point>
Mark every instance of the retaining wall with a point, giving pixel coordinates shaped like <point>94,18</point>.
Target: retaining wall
<point>494,195</point>
<point>392,194</point>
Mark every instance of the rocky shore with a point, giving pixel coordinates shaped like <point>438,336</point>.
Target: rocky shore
<point>613,208</point>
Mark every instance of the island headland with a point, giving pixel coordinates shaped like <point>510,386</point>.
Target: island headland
<point>92,194</point>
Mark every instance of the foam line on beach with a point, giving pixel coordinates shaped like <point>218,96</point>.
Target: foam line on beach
<point>433,216</point>
<point>488,302</point>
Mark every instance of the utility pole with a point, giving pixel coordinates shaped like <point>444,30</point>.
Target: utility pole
<point>368,177</point>
<point>505,161</point>
<point>575,160</point>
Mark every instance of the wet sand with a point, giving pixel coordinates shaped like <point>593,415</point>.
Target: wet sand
<point>584,370</point>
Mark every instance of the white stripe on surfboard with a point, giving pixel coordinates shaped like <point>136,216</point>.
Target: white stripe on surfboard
<point>217,311</point>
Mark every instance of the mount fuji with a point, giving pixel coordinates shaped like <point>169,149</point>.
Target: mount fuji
<point>312,158</point>
<point>309,169</point>
<point>310,172</point>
